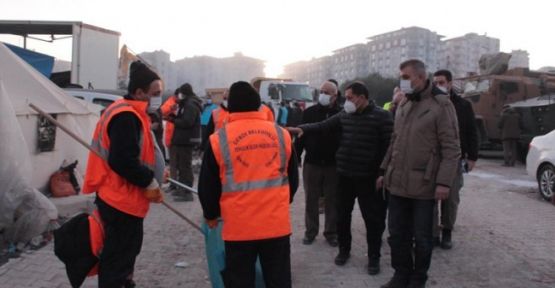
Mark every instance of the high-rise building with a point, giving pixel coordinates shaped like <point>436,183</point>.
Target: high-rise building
<point>320,70</point>
<point>349,62</point>
<point>461,55</point>
<point>297,71</point>
<point>160,61</point>
<point>386,51</point>
<point>520,59</point>
<point>203,71</point>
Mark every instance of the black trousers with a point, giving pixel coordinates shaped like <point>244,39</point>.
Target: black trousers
<point>410,222</point>
<point>181,161</point>
<point>122,244</point>
<point>320,180</point>
<point>373,207</point>
<point>275,259</point>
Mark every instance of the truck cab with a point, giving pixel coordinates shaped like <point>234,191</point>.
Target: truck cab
<point>285,96</point>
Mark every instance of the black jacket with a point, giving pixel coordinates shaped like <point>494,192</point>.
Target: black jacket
<point>210,185</point>
<point>467,127</point>
<point>320,146</point>
<point>365,137</point>
<point>187,122</point>
<point>125,131</point>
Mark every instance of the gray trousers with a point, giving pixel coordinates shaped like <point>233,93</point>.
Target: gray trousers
<point>320,180</point>
<point>510,151</point>
<point>181,169</point>
<point>449,207</point>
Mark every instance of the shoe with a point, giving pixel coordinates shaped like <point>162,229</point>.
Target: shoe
<point>342,257</point>
<point>332,241</point>
<point>446,239</point>
<point>308,240</point>
<point>373,265</point>
<point>395,282</point>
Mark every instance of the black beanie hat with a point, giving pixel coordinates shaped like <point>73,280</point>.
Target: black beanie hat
<point>140,77</point>
<point>243,98</point>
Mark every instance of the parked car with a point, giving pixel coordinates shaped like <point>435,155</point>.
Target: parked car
<point>540,163</point>
<point>100,97</point>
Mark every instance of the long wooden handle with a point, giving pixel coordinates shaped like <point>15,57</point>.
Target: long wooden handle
<point>89,147</point>
<point>182,216</point>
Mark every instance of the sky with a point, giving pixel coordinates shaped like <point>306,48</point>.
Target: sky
<point>286,31</point>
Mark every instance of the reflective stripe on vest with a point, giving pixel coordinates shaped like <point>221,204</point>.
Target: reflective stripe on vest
<point>219,117</point>
<point>231,186</point>
<point>96,143</point>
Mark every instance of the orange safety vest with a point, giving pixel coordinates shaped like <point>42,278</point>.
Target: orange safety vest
<point>166,111</point>
<point>253,155</point>
<point>100,178</point>
<point>268,112</point>
<point>220,115</point>
<point>96,230</point>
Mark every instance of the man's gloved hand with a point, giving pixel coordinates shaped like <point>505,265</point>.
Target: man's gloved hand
<point>213,223</point>
<point>153,193</point>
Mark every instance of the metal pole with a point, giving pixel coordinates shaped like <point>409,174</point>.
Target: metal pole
<point>182,185</point>
<point>89,147</point>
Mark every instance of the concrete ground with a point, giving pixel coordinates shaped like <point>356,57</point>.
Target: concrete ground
<point>504,237</point>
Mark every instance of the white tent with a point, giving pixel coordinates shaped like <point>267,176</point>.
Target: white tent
<point>22,166</point>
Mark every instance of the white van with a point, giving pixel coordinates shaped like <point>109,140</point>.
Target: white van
<point>101,97</point>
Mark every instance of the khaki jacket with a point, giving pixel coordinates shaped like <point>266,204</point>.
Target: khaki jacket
<point>425,146</point>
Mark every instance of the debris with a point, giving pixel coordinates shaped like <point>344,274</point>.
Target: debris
<point>182,264</point>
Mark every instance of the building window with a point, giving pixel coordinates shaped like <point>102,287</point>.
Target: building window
<point>403,41</point>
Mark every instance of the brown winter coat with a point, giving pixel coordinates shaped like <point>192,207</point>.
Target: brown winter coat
<point>510,125</point>
<point>425,146</point>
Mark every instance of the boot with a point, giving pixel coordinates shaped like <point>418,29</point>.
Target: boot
<point>446,239</point>
<point>342,257</point>
<point>373,265</point>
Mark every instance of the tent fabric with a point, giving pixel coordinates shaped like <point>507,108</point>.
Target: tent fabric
<point>26,85</point>
<point>24,211</point>
<point>42,62</point>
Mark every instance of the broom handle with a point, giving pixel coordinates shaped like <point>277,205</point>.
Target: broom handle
<point>90,148</point>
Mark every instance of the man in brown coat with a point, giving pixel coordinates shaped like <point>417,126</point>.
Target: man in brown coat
<point>510,134</point>
<point>419,168</point>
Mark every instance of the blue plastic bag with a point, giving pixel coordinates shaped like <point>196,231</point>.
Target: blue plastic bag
<point>215,256</point>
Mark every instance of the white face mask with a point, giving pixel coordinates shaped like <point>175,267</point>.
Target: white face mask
<point>406,86</point>
<point>350,107</point>
<point>443,89</point>
<point>224,103</point>
<point>154,103</point>
<point>324,99</point>
<point>180,96</point>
